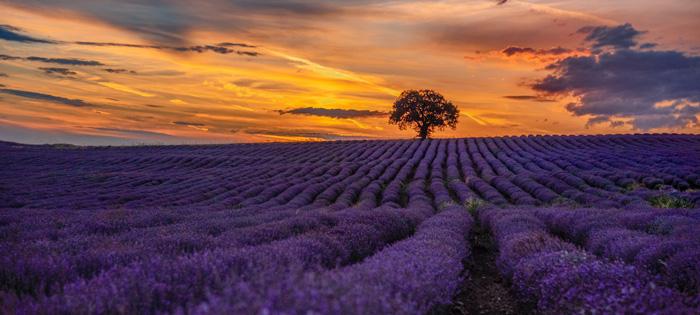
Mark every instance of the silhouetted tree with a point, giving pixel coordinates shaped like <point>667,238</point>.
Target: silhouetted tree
<point>423,111</point>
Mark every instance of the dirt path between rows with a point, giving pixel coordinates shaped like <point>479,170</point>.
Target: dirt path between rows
<point>484,291</point>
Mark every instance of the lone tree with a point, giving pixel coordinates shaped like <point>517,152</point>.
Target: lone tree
<point>423,111</point>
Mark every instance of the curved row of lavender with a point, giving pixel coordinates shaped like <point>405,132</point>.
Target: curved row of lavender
<point>562,278</point>
<point>345,227</point>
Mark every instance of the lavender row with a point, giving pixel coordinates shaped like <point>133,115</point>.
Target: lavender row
<point>560,278</point>
<point>410,277</point>
<point>160,283</point>
<point>662,242</point>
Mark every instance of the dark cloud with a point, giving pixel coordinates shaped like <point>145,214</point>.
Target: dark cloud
<point>248,53</point>
<point>597,120</point>
<point>201,49</point>
<point>102,44</point>
<point>170,22</point>
<point>219,49</point>
<point>47,97</point>
<point>648,45</point>
<point>536,98</point>
<point>228,44</point>
<point>133,132</point>
<point>3,75</point>
<point>10,33</point>
<point>11,58</point>
<point>654,89</point>
<point>617,124</point>
<point>153,20</point>
<point>515,50</point>
<point>60,61</point>
<point>620,36</point>
<point>289,7</point>
<point>300,133</point>
<point>187,123</point>
<point>66,61</point>
<point>501,2</point>
<point>59,71</point>
<point>333,113</point>
<point>119,71</point>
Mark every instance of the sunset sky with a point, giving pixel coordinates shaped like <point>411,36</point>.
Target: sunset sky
<point>175,71</point>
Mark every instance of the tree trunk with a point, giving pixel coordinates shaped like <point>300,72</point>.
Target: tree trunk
<point>423,133</point>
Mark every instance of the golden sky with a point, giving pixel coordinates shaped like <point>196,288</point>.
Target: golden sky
<point>133,72</point>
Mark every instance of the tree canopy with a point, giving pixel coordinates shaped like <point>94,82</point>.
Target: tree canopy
<point>423,111</point>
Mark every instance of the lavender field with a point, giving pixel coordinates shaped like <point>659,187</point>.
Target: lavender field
<point>577,224</point>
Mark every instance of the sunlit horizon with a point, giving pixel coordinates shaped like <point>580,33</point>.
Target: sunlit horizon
<point>113,73</point>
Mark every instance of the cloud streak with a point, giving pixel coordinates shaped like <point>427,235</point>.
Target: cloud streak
<point>300,133</point>
<point>188,124</point>
<point>59,71</point>
<point>60,61</point>
<point>515,50</point>
<point>333,113</point>
<point>11,33</point>
<point>536,98</point>
<point>136,132</point>
<point>47,97</point>
<point>619,37</point>
<point>219,49</point>
<point>110,70</point>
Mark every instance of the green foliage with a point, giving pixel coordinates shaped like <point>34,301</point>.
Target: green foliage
<point>446,204</point>
<point>563,202</point>
<point>473,204</point>
<point>668,202</point>
<point>632,187</point>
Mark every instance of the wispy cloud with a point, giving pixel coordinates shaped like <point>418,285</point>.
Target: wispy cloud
<point>110,70</point>
<point>299,134</point>
<point>333,113</point>
<point>11,33</point>
<point>47,97</point>
<point>136,132</point>
<point>188,123</point>
<point>515,50</point>
<point>198,48</point>
<point>66,61</point>
<point>59,71</point>
<point>60,61</point>
<point>535,98</point>
<point>229,44</point>
<point>267,85</point>
<point>619,36</point>
<point>124,88</point>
